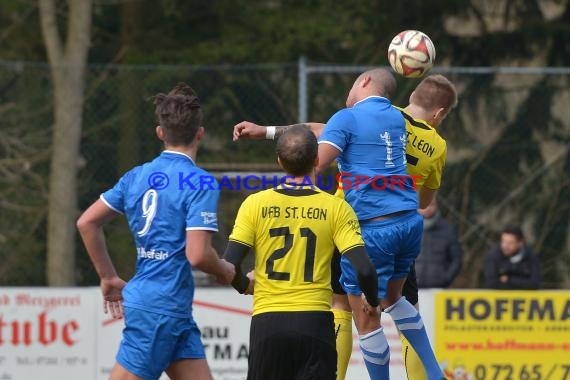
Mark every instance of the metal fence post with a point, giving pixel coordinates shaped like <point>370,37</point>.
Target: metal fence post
<point>303,90</point>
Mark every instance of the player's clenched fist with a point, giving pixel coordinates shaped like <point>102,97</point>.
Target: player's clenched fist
<point>248,130</point>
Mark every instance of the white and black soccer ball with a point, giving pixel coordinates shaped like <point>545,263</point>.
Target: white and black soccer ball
<point>411,53</point>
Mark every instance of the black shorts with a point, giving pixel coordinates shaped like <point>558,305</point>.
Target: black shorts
<point>292,346</point>
<point>410,290</point>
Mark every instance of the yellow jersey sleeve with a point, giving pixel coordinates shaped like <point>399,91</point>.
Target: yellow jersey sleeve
<point>425,152</point>
<point>245,223</point>
<point>339,193</point>
<point>346,233</point>
<point>433,180</point>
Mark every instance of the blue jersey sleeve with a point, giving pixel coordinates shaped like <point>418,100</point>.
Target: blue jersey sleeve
<point>202,210</point>
<point>114,198</point>
<point>338,130</point>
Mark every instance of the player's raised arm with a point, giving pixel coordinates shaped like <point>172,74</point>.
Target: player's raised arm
<point>247,130</point>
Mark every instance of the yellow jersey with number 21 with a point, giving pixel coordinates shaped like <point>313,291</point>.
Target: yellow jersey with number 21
<point>293,232</point>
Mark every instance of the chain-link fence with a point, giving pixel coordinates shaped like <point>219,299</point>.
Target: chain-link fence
<point>507,152</point>
<point>508,156</point>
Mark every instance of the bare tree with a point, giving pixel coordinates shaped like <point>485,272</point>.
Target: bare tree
<point>68,58</point>
<point>130,90</point>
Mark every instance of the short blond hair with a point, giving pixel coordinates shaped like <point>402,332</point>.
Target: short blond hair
<point>435,91</point>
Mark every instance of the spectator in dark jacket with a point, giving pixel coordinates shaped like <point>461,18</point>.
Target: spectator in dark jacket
<point>512,264</point>
<point>440,259</point>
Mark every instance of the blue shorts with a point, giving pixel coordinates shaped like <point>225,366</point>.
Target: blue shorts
<point>151,342</point>
<point>392,244</point>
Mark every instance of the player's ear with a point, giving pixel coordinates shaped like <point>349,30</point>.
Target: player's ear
<point>200,134</point>
<point>160,133</point>
<point>366,80</point>
<point>439,114</point>
<point>279,162</point>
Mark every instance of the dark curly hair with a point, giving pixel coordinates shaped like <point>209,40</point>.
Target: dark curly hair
<point>179,113</point>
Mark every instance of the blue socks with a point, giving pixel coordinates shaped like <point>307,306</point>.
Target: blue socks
<point>410,324</point>
<point>376,354</point>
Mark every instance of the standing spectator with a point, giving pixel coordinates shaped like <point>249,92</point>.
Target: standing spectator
<point>440,259</point>
<point>512,264</point>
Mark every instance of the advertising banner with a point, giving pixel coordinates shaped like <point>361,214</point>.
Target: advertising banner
<point>503,335</point>
<point>223,317</point>
<point>47,333</point>
<point>62,333</point>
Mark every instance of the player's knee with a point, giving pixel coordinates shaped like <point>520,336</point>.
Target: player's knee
<point>390,300</point>
<point>367,322</point>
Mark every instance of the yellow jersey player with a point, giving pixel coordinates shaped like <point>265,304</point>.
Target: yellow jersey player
<point>293,230</point>
<point>426,150</point>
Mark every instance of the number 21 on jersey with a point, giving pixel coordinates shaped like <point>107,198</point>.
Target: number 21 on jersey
<point>283,251</point>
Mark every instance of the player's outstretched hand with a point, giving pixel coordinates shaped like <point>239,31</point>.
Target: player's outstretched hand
<point>227,272</point>
<point>247,130</point>
<point>112,289</point>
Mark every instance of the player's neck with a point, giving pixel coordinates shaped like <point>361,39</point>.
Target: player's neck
<point>301,179</point>
<point>418,112</point>
<point>190,150</point>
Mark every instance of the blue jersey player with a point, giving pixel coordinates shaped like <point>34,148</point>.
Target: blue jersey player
<point>368,139</point>
<point>172,218</point>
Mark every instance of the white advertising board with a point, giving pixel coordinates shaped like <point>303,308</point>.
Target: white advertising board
<point>47,333</point>
<point>62,333</point>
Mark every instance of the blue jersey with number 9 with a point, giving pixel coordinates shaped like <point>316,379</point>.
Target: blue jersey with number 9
<point>163,199</point>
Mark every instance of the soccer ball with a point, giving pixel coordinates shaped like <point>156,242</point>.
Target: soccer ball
<point>411,53</point>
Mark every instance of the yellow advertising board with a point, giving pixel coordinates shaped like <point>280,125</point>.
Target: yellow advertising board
<point>503,335</point>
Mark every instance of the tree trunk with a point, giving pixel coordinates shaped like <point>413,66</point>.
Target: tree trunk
<point>67,62</point>
<point>130,90</point>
